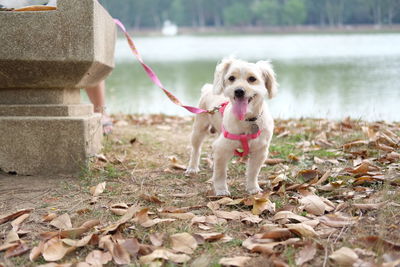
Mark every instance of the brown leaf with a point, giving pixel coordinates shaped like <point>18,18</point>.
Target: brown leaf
<point>36,251</point>
<point>306,254</point>
<point>15,224</point>
<point>119,209</point>
<point>302,229</point>
<point>379,242</point>
<point>277,234</point>
<point>153,199</point>
<point>54,249</point>
<point>229,215</point>
<point>239,261</point>
<point>288,215</point>
<point>98,258</point>
<point>274,161</point>
<point>49,217</point>
<point>373,206</point>
<point>179,216</point>
<point>120,255</point>
<point>62,222</point>
<point>211,237</point>
<point>337,220</point>
<point>183,242</point>
<point>12,236</point>
<point>98,189</point>
<point>344,256</point>
<point>17,250</point>
<point>90,224</point>
<point>309,175</point>
<point>157,239</point>
<point>313,204</point>
<point>260,204</point>
<point>132,246</point>
<point>14,215</point>
<point>163,253</point>
<point>78,243</point>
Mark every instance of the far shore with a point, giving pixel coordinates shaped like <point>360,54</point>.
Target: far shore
<point>301,29</point>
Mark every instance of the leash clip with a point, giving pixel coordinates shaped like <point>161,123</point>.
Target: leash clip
<point>213,110</point>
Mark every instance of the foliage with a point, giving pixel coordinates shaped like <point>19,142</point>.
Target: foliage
<point>216,13</point>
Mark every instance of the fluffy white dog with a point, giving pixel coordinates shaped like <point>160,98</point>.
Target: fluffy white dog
<point>245,127</point>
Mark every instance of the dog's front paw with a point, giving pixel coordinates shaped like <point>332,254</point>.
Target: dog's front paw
<point>191,170</point>
<point>222,192</point>
<point>254,190</point>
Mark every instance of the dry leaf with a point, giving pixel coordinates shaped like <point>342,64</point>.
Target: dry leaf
<point>120,255</point>
<point>62,222</point>
<point>132,246</point>
<point>179,216</point>
<point>313,204</point>
<point>306,254</point>
<point>98,258</point>
<point>288,215</point>
<point>239,261</point>
<point>344,256</point>
<point>78,243</point>
<point>157,239</point>
<point>15,224</point>
<point>54,249</point>
<point>49,217</point>
<point>153,199</point>
<point>165,254</point>
<point>119,209</point>
<point>17,250</point>
<point>183,242</point>
<point>98,189</point>
<point>337,220</point>
<point>14,215</point>
<point>302,229</point>
<point>210,237</point>
<point>229,215</point>
<point>36,251</point>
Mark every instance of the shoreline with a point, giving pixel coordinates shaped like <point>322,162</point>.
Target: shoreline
<point>275,30</point>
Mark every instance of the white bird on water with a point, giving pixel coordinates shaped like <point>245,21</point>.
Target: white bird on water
<point>23,3</point>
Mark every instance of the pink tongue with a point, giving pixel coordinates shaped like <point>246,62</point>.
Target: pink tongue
<point>240,108</point>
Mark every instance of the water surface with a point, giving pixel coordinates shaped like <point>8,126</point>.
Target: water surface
<point>332,76</point>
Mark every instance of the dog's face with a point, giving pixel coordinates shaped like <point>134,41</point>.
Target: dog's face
<point>244,83</point>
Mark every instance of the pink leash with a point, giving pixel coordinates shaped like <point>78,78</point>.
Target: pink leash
<point>152,75</point>
<point>243,138</point>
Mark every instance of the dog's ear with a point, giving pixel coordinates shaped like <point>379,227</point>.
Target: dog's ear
<point>269,76</point>
<point>220,72</point>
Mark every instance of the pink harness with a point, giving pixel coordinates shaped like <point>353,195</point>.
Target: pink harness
<point>243,138</point>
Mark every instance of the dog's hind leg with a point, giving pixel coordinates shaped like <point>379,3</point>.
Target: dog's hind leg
<point>256,159</point>
<point>200,129</point>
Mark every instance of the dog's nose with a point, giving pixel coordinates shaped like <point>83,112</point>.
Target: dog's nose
<point>239,93</point>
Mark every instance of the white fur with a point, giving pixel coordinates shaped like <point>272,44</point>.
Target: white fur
<point>221,91</point>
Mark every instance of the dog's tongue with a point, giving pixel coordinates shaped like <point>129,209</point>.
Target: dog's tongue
<point>240,108</point>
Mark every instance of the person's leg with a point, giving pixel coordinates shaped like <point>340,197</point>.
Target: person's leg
<point>97,96</point>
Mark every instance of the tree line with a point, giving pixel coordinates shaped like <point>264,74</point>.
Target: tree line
<point>246,13</point>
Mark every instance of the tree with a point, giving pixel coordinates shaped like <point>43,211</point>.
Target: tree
<point>237,14</point>
<point>294,12</point>
<point>267,12</point>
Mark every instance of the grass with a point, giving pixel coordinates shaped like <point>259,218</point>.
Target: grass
<point>134,168</point>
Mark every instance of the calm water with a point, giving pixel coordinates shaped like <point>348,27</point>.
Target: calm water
<point>331,76</point>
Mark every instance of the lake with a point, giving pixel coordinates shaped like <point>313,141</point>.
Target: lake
<point>320,76</point>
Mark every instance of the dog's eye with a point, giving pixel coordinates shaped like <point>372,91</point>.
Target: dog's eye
<point>231,78</point>
<point>251,79</point>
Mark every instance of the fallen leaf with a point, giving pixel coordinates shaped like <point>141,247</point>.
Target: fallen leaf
<point>180,216</point>
<point>274,161</point>
<point>344,256</point>
<point>378,241</point>
<point>288,215</point>
<point>14,215</point>
<point>120,255</point>
<point>17,250</point>
<point>211,237</point>
<point>229,215</point>
<point>49,217</point>
<point>306,254</point>
<point>15,223</point>
<point>119,208</point>
<point>62,222</point>
<point>54,249</point>
<point>157,239</point>
<point>313,204</point>
<point>163,253</point>
<point>132,246</point>
<point>153,199</point>
<point>12,236</point>
<point>36,251</point>
<point>183,242</point>
<point>371,206</point>
<point>337,220</point>
<point>239,261</point>
<point>302,229</point>
<point>277,234</point>
<point>98,189</point>
<point>98,258</point>
<point>78,243</point>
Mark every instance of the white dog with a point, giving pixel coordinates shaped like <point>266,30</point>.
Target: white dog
<point>246,124</point>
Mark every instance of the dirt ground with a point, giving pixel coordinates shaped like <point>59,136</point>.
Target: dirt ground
<point>349,170</point>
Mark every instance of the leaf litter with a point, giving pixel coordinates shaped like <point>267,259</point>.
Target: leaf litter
<point>335,181</point>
